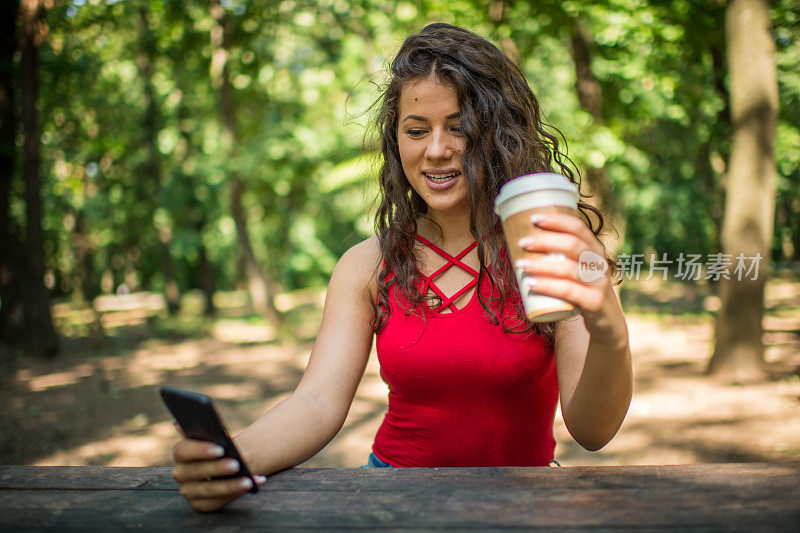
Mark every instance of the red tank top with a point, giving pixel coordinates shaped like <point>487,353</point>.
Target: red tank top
<point>462,392</point>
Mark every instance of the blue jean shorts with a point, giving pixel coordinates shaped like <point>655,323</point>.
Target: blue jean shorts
<point>374,462</point>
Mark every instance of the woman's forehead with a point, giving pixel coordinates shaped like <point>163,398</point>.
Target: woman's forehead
<point>428,94</point>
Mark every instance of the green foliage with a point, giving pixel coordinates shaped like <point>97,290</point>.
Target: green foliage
<point>305,74</point>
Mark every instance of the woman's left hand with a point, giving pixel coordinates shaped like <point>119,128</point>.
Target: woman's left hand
<point>578,274</point>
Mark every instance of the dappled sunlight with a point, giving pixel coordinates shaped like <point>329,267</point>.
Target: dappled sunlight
<point>126,318</point>
<point>678,416</point>
<point>788,324</point>
<point>177,357</point>
<point>105,409</point>
<point>232,391</point>
<point>57,379</point>
<point>147,301</point>
<point>151,447</point>
<point>242,332</point>
<point>283,354</point>
<point>779,291</point>
<point>290,300</point>
<point>231,299</point>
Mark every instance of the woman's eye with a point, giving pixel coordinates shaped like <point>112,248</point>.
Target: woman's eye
<point>456,129</point>
<point>414,133</point>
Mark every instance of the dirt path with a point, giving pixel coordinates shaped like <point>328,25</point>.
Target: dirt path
<point>104,409</point>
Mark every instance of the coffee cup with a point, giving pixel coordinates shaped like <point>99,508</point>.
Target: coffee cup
<point>518,200</point>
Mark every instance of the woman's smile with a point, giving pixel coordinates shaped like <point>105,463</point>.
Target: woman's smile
<point>442,179</point>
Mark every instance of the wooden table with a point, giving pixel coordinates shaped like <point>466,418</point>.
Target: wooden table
<point>746,497</point>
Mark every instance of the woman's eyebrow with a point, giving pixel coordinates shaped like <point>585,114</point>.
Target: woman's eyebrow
<point>423,119</point>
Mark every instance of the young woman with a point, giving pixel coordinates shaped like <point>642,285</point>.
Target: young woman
<point>471,383</point>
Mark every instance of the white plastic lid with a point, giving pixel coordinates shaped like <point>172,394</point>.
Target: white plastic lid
<point>544,181</point>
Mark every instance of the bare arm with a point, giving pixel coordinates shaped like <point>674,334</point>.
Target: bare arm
<point>595,378</point>
<point>302,424</point>
<point>593,359</point>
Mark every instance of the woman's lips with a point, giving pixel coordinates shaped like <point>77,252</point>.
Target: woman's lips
<point>441,185</point>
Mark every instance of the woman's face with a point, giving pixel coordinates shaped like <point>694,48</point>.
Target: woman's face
<point>431,144</point>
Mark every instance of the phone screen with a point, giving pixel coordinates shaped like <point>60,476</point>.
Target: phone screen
<point>195,414</point>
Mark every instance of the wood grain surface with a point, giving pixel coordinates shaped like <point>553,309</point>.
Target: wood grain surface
<point>738,497</point>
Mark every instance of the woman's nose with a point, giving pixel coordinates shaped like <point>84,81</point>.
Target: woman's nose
<point>440,146</point>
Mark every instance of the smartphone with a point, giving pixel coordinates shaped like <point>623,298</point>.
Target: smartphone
<point>198,420</point>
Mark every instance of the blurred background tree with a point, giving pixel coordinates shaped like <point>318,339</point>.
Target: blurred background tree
<point>220,145</point>
<point>25,314</point>
<point>750,187</point>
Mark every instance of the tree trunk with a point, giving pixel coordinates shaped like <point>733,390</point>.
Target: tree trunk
<point>259,284</point>
<point>152,118</point>
<point>86,283</point>
<point>714,188</point>
<point>207,282</point>
<point>749,203</point>
<point>40,335</point>
<point>10,271</point>
<point>199,220</point>
<point>498,14</point>
<point>590,96</point>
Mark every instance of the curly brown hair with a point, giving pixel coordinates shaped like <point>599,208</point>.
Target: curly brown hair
<point>506,137</point>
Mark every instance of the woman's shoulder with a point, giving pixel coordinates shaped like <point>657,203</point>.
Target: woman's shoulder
<point>365,253</point>
<point>361,263</point>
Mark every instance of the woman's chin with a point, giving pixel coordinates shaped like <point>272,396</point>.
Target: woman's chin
<point>452,208</point>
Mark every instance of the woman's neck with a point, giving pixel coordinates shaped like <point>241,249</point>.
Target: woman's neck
<point>448,231</point>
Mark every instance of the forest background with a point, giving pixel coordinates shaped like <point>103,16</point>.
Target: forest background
<point>197,159</point>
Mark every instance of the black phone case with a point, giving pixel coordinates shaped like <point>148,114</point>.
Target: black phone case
<point>198,420</point>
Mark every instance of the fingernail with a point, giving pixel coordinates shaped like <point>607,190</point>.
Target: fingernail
<point>525,242</point>
<point>217,451</point>
<point>245,483</point>
<point>261,480</point>
<point>537,218</point>
<point>232,466</point>
<point>523,263</point>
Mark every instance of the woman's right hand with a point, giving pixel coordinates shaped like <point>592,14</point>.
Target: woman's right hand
<point>196,462</point>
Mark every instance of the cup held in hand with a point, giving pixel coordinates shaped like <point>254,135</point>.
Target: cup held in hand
<point>518,201</point>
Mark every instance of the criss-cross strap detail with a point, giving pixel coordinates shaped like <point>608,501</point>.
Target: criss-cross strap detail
<point>451,261</point>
